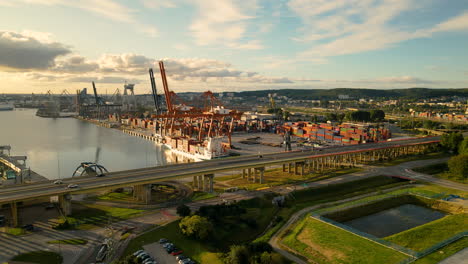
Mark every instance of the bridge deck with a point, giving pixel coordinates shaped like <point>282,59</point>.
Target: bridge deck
<point>154,174</point>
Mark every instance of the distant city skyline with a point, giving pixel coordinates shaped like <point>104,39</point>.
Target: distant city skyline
<point>227,45</point>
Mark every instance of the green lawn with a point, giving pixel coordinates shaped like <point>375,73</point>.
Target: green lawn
<point>201,252</point>
<point>42,257</point>
<point>440,170</point>
<point>427,235</point>
<point>197,196</point>
<point>444,252</point>
<point>16,231</point>
<point>116,196</point>
<point>324,243</point>
<point>86,216</point>
<point>432,155</point>
<point>71,241</point>
<point>275,177</point>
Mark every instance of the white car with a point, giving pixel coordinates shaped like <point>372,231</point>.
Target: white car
<point>58,182</point>
<point>72,186</point>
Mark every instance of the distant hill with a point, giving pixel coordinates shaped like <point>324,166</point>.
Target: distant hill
<point>356,93</point>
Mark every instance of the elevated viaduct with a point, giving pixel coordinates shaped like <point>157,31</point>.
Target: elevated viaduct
<point>253,168</point>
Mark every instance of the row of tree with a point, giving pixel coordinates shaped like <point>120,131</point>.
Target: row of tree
<point>458,165</point>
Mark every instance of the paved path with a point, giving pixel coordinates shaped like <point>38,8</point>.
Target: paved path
<point>458,258</point>
<point>274,240</point>
<point>12,245</point>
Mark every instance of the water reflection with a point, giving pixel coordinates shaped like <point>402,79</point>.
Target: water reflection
<point>55,147</point>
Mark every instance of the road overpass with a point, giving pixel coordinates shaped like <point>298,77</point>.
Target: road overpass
<point>253,168</point>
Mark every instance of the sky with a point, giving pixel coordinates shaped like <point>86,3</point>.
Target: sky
<point>228,45</point>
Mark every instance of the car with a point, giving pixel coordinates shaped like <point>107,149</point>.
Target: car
<point>163,241</point>
<point>72,186</point>
<point>58,182</point>
<point>149,261</point>
<point>28,227</point>
<point>138,252</point>
<point>176,252</point>
<point>184,261</point>
<point>167,245</point>
<point>143,256</point>
<point>181,257</point>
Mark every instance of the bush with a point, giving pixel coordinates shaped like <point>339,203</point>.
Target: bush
<point>196,226</point>
<point>183,210</point>
<point>458,166</point>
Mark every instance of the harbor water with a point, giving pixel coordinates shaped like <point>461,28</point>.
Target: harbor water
<point>55,146</point>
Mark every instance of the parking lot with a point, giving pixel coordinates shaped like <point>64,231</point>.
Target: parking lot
<point>157,251</point>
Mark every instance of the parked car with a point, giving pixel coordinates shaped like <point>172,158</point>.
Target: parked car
<point>138,252</point>
<point>72,186</point>
<point>181,257</point>
<point>176,252</point>
<point>163,241</point>
<point>58,182</point>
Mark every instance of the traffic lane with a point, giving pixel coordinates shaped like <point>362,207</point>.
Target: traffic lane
<point>156,251</point>
<point>169,171</point>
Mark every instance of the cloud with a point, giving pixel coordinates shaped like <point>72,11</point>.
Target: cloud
<point>102,79</point>
<point>459,22</point>
<point>158,4</point>
<point>223,22</point>
<point>336,27</point>
<point>110,9</point>
<point>74,64</point>
<point>21,52</point>
<point>128,63</point>
<point>39,77</point>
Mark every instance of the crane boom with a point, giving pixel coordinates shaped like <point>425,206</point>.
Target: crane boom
<point>166,88</point>
<point>95,94</point>
<point>155,94</point>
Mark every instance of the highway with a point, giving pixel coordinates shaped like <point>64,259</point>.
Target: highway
<point>154,174</point>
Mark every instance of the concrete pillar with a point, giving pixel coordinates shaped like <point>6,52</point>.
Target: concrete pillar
<point>295,169</point>
<point>211,177</point>
<point>284,167</point>
<point>142,193</point>
<point>249,174</point>
<point>255,174</point>
<point>14,214</point>
<point>65,204</point>
<point>302,169</point>
<point>262,172</point>
<point>195,182</point>
<point>243,173</point>
<point>289,167</point>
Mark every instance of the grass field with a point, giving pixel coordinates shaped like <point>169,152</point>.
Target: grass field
<point>200,252</point>
<point>71,241</point>
<point>275,177</point>
<point>440,170</point>
<point>41,257</point>
<point>427,235</point>
<point>324,243</point>
<point>444,252</point>
<point>87,216</point>
<point>15,231</point>
<point>197,196</point>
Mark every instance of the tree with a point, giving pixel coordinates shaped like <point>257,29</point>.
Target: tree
<point>195,226</point>
<point>377,115</point>
<point>183,210</point>
<point>238,254</point>
<point>463,148</point>
<point>458,166</point>
<point>451,141</point>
